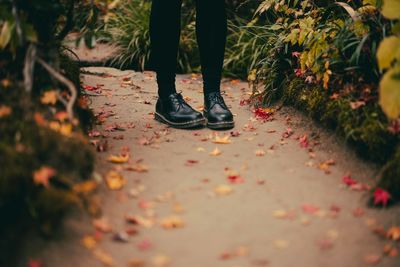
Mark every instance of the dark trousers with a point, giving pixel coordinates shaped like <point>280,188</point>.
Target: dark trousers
<point>211,30</point>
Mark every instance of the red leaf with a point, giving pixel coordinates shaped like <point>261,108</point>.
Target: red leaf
<point>381,197</point>
<point>304,141</point>
<point>235,179</point>
<point>309,208</point>
<point>34,263</point>
<point>347,180</point>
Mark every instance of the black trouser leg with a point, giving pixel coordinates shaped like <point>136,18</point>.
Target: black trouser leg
<point>211,29</point>
<point>165,27</point>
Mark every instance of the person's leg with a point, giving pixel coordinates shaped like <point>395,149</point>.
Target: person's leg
<point>171,108</point>
<point>211,29</point>
<point>165,27</point>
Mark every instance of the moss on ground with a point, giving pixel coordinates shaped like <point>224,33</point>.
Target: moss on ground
<point>364,128</point>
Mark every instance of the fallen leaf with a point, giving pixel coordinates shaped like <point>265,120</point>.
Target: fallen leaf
<point>325,244</point>
<point>136,219</point>
<point>145,244</point>
<point>161,260</point>
<point>89,242</point>
<point>119,158</point>
<point>172,222</point>
<point>281,244</point>
<point>347,180</point>
<point>102,225</point>
<point>215,152</point>
<point>122,236</point>
<point>304,141</point>
<point>310,209</point>
<point>372,259</point>
<point>43,175</point>
<point>289,132</point>
<point>223,190</point>
<point>138,167</point>
<point>85,187</point>
<point>136,263</point>
<point>381,197</point>
<point>394,233</point>
<point>260,153</point>
<point>191,162</point>
<point>34,263</point>
<point>235,178</point>
<point>221,140</point>
<point>358,212</point>
<point>49,97</point>
<point>235,133</point>
<point>114,180</point>
<point>5,111</point>
<point>104,257</point>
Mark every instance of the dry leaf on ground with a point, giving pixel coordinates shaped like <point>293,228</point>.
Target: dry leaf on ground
<point>118,158</point>
<point>172,222</point>
<point>223,190</point>
<point>114,180</point>
<point>221,140</point>
<point>216,152</point>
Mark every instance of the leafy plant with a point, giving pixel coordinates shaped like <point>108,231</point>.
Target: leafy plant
<point>389,59</point>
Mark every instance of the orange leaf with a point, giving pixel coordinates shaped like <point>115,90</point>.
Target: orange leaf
<point>49,97</point>
<point>43,175</point>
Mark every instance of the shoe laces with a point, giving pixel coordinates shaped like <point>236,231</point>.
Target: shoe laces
<point>178,100</point>
<point>216,98</point>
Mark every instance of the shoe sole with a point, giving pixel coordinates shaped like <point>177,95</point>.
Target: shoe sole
<point>180,125</point>
<point>221,125</point>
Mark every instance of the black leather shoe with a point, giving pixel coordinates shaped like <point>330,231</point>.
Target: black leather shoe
<point>175,112</point>
<point>216,112</point>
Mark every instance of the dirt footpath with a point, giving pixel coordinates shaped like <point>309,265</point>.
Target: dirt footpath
<point>268,193</point>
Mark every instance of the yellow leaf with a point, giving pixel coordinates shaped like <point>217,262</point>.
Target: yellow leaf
<point>114,180</point>
<point>89,242</point>
<point>49,97</point>
<point>138,168</point>
<point>5,111</point>
<point>222,140</point>
<point>391,9</point>
<point>118,159</point>
<point>389,93</point>
<point>281,244</point>
<point>215,152</point>
<point>85,187</point>
<point>172,222</point>
<point>102,256</point>
<point>161,260</point>
<point>223,190</point>
<point>388,50</point>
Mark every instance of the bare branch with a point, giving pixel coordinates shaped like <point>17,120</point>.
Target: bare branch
<point>61,78</point>
<point>29,67</point>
